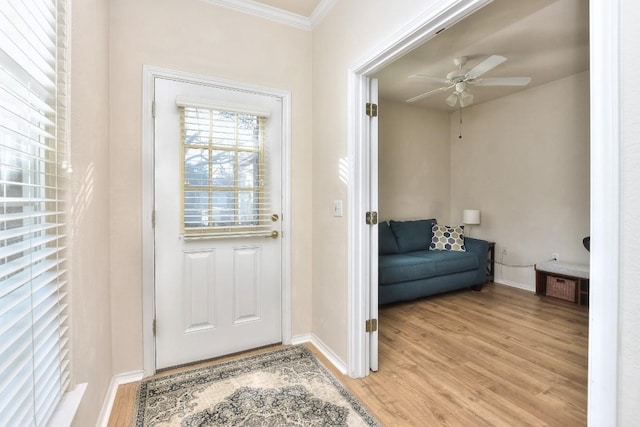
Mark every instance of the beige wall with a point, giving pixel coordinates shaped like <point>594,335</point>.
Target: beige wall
<point>524,162</point>
<point>349,32</point>
<point>194,36</point>
<point>629,361</point>
<point>413,162</point>
<point>90,308</point>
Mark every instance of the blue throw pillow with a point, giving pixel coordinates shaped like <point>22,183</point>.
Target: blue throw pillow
<point>413,235</point>
<point>386,240</point>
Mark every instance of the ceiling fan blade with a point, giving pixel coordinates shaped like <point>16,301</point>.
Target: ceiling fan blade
<point>503,81</point>
<point>431,92</point>
<point>440,80</point>
<point>486,65</point>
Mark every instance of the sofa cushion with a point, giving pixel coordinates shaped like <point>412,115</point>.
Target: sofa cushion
<point>401,268</point>
<point>446,238</point>
<point>412,235</point>
<point>423,265</point>
<point>448,262</point>
<point>387,244</point>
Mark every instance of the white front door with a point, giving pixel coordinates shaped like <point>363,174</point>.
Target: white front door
<point>217,221</point>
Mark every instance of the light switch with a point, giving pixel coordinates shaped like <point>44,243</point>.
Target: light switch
<point>337,208</point>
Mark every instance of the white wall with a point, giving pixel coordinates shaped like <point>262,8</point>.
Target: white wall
<point>90,260</point>
<point>629,297</point>
<point>413,162</point>
<point>524,162</point>
<point>198,37</point>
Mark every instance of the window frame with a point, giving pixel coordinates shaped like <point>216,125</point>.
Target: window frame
<point>260,204</point>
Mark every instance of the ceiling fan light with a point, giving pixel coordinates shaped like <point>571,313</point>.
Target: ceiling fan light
<point>466,98</point>
<point>452,99</point>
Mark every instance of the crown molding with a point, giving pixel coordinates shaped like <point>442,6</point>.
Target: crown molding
<point>321,10</point>
<point>278,15</point>
<point>267,12</point>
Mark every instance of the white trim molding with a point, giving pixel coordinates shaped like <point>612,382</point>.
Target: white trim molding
<point>516,285</point>
<point>275,14</point>
<point>322,9</point>
<point>149,74</point>
<point>605,68</point>
<point>442,14</point>
<point>322,348</point>
<point>260,10</point>
<point>68,406</point>
<point>112,391</point>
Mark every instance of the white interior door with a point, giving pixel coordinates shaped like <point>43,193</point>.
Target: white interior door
<point>373,202</point>
<point>217,221</point>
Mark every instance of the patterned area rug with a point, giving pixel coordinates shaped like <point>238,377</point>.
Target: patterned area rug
<point>285,387</point>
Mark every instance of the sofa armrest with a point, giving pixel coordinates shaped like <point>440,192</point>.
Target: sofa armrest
<point>480,248</point>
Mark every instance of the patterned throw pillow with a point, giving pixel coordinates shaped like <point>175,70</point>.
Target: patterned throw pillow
<point>447,238</point>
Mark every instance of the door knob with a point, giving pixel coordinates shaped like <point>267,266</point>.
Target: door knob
<point>274,235</point>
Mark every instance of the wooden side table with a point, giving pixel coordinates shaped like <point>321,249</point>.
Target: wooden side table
<point>569,282</point>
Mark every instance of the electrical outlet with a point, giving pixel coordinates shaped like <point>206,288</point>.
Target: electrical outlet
<point>555,256</point>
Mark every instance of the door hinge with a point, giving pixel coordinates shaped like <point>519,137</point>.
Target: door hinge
<point>371,218</point>
<point>371,325</point>
<point>153,327</point>
<point>153,218</point>
<point>372,109</point>
<point>153,109</point>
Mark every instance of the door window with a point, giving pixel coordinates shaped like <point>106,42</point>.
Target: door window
<point>224,189</point>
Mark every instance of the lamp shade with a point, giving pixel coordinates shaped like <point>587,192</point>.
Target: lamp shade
<point>471,216</point>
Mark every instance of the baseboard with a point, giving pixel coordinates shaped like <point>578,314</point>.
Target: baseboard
<point>107,405</point>
<point>300,339</point>
<point>322,348</point>
<point>516,285</point>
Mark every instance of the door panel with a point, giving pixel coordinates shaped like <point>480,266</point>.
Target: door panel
<point>218,269</point>
<point>199,290</point>
<point>247,284</point>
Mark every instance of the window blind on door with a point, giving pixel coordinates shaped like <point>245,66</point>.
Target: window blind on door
<point>34,337</point>
<point>224,179</point>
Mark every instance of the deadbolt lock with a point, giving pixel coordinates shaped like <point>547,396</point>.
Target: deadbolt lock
<point>275,217</point>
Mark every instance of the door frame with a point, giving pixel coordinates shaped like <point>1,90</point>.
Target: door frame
<point>149,74</point>
<point>605,209</point>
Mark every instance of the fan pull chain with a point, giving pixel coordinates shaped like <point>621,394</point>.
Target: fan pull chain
<point>460,131</point>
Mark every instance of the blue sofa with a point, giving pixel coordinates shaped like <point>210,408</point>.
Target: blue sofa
<point>407,269</point>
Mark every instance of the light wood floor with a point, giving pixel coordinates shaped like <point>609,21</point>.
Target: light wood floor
<point>499,357</point>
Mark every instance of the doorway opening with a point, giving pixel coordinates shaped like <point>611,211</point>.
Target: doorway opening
<point>603,190</point>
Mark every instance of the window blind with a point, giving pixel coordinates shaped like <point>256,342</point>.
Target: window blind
<point>34,337</point>
<point>225,186</point>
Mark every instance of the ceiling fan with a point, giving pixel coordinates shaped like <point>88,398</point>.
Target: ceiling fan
<point>462,78</point>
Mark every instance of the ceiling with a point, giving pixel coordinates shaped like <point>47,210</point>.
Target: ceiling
<point>300,7</point>
<point>542,39</point>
